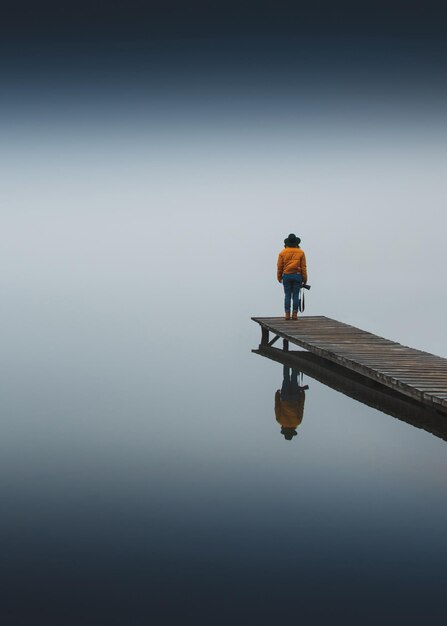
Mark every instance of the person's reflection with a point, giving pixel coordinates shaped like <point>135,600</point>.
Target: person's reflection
<point>289,403</point>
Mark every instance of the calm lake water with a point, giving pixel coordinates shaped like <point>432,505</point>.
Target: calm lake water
<point>145,479</point>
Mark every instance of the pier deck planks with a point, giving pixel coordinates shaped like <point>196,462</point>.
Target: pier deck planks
<point>419,375</point>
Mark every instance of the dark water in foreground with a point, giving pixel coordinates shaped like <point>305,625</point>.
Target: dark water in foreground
<point>148,482</point>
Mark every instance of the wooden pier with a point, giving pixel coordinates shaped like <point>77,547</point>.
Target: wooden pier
<point>418,375</point>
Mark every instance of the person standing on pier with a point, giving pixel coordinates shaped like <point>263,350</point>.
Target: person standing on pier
<point>292,273</point>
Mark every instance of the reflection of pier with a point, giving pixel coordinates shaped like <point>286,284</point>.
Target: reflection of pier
<point>413,373</point>
<point>362,389</point>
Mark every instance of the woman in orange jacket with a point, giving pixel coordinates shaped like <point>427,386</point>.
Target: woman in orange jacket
<point>292,273</point>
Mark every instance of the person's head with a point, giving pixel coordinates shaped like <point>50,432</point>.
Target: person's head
<point>288,432</point>
<point>292,241</point>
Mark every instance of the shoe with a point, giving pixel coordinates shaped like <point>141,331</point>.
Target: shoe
<point>295,315</point>
<point>287,315</point>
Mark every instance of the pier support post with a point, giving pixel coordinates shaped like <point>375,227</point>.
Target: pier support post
<point>264,336</point>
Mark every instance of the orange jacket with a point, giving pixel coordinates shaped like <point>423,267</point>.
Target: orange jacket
<point>292,261</point>
<point>289,413</point>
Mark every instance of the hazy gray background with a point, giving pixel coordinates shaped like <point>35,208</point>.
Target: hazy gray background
<point>183,211</point>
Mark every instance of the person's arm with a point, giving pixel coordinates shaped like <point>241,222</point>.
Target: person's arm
<point>278,405</point>
<point>304,268</point>
<point>300,407</point>
<point>280,266</point>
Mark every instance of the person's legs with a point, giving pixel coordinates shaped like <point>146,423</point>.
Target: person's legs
<point>286,386</point>
<point>296,282</point>
<point>294,375</point>
<point>287,293</point>
<point>285,382</point>
<point>296,286</point>
<point>294,386</point>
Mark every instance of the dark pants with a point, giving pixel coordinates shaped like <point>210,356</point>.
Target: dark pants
<point>290,389</point>
<point>292,285</point>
